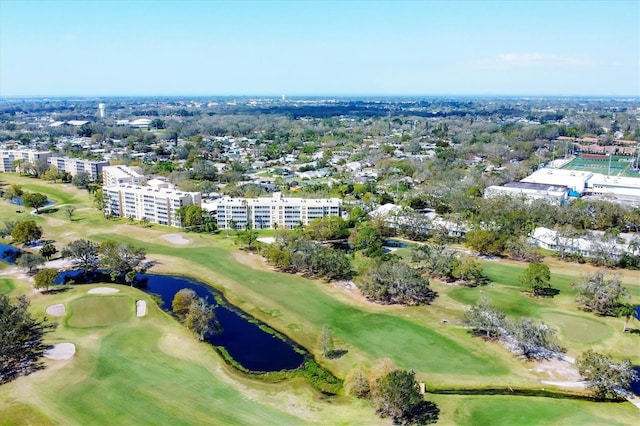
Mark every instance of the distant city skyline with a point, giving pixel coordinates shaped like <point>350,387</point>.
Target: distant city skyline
<point>320,48</point>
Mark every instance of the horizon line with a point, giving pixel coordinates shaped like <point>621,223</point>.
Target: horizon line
<point>335,95</point>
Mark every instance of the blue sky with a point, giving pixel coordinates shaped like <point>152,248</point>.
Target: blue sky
<point>99,48</point>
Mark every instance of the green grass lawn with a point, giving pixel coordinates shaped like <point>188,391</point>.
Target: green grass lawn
<point>6,286</point>
<point>577,328</point>
<point>152,370</point>
<point>99,310</point>
<point>517,410</point>
<point>369,335</point>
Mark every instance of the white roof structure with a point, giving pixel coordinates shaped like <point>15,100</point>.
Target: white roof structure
<point>589,245</point>
<point>140,122</point>
<point>576,180</point>
<point>77,122</point>
<point>385,210</point>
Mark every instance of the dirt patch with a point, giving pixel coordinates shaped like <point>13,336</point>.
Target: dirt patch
<point>141,308</point>
<point>558,370</point>
<point>251,260</point>
<point>176,239</point>
<point>60,351</point>
<point>55,310</point>
<point>103,290</point>
<point>59,264</point>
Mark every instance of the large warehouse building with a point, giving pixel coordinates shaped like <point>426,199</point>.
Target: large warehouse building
<point>549,183</point>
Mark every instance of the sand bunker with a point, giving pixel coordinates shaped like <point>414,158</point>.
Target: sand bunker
<point>141,308</point>
<point>55,310</point>
<point>60,351</point>
<point>103,290</point>
<point>176,239</point>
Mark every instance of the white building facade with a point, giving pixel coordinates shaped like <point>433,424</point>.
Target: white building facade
<point>278,211</point>
<point>121,175</point>
<point>8,158</point>
<point>73,166</point>
<point>158,205</point>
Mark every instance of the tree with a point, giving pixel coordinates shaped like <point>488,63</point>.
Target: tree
<point>356,382</point>
<point>182,302</point>
<point>35,200</point>
<point>485,242</point>
<point>485,318</point>
<point>81,180</point>
<point>157,124</point>
<point>395,282</point>
<point>26,232</point>
<point>13,192</point>
<point>48,250</point>
<point>330,264</point>
<point>467,269</point>
<point>9,225</point>
<point>537,277</point>
<point>368,239</point>
<point>397,395</point>
<point>29,261</point>
<point>18,165</point>
<point>21,339</point>
<point>534,339</point>
<point>84,253</point>
<point>40,167</point>
<point>627,311</point>
<point>52,174</point>
<point>98,199</point>
<point>600,293</point>
<point>121,259</point>
<point>604,376</point>
<point>248,238</point>
<point>327,228</point>
<point>68,210</point>
<point>201,318</point>
<point>45,278</point>
<point>325,341</point>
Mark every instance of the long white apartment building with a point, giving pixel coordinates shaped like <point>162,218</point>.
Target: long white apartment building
<point>73,166</point>
<point>9,156</point>
<point>158,205</point>
<point>121,175</point>
<point>265,213</point>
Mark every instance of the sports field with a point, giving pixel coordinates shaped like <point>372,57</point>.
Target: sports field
<point>615,165</point>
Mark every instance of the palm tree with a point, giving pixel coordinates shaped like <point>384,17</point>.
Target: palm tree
<point>17,165</point>
<point>627,311</point>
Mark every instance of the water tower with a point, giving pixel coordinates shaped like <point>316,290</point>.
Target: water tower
<point>101,110</point>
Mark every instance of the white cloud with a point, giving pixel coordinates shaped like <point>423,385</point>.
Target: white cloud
<point>529,60</point>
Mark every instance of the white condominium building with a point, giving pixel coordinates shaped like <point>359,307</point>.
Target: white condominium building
<point>265,213</point>
<point>120,175</point>
<point>73,166</point>
<point>9,156</point>
<point>158,205</point>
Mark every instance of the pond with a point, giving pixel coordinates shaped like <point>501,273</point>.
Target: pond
<point>8,253</point>
<point>241,336</point>
<point>635,384</point>
<point>19,202</point>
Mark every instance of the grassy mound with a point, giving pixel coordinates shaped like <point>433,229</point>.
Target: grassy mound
<point>96,311</point>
